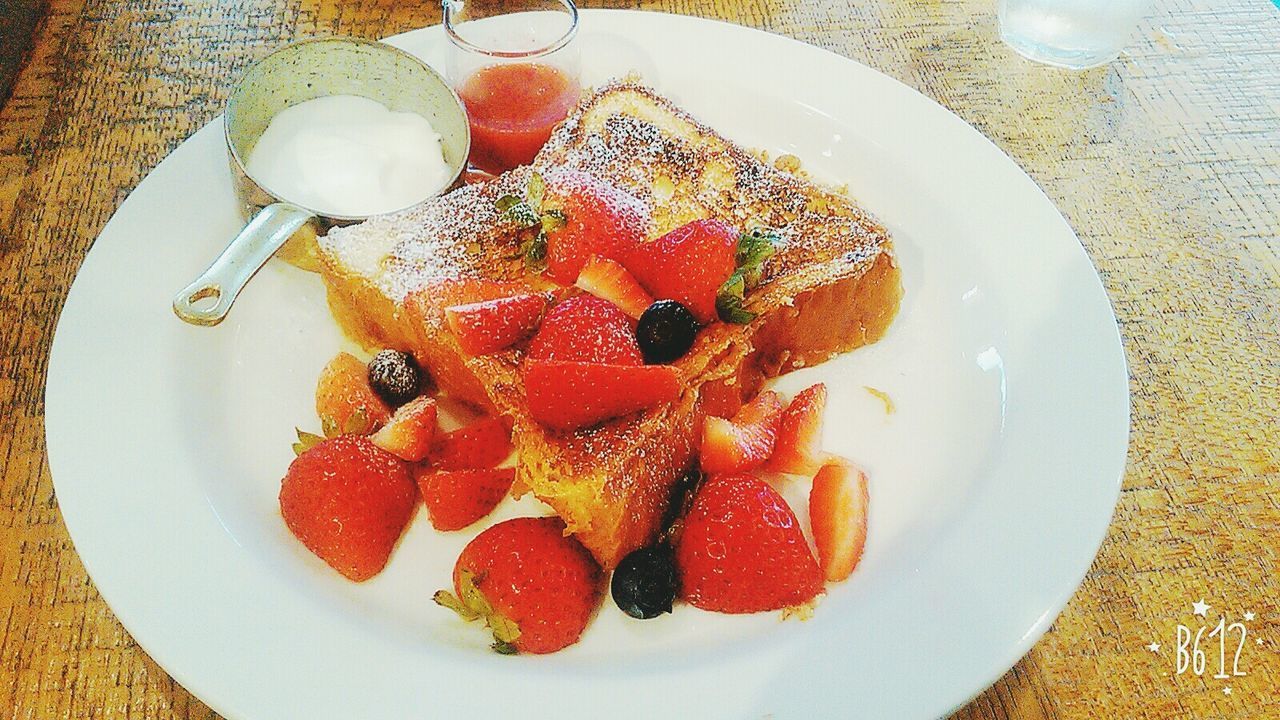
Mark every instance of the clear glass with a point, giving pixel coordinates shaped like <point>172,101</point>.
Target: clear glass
<point>1075,34</point>
<point>516,66</point>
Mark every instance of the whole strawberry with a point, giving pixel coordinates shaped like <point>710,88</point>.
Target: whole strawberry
<point>742,550</point>
<point>348,501</point>
<point>534,586</point>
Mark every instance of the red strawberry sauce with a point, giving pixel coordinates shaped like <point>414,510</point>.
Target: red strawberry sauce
<point>512,109</point>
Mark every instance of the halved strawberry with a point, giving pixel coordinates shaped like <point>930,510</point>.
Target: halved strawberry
<point>599,219</point>
<point>607,279</point>
<point>491,325</point>
<point>799,447</point>
<point>409,433</point>
<point>569,395</point>
<point>688,264</point>
<point>482,444</point>
<point>345,401</point>
<point>744,442</point>
<point>585,328</point>
<point>838,504</point>
<point>457,498</point>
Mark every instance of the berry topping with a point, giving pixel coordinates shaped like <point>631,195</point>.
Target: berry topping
<point>570,395</point>
<point>348,502</point>
<point>533,585</point>
<point>457,498</point>
<point>799,447</point>
<point>742,550</point>
<point>599,219</point>
<point>645,583</point>
<point>409,433</point>
<point>606,279</point>
<point>586,329</point>
<point>395,376</point>
<point>482,444</point>
<point>838,504</point>
<point>345,401</point>
<point>746,441</point>
<point>492,325</point>
<point>666,331</point>
<point>688,264</point>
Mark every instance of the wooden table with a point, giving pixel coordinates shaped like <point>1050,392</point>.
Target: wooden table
<point>1165,162</point>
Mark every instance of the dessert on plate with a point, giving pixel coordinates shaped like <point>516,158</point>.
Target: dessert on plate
<point>615,310</point>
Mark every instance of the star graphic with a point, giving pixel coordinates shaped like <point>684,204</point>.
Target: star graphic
<point>1226,691</point>
<point>1258,640</point>
<point>1154,647</point>
<point>1200,608</point>
<point>1248,617</point>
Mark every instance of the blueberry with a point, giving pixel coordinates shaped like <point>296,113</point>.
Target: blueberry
<point>666,331</point>
<point>395,376</point>
<point>645,583</point>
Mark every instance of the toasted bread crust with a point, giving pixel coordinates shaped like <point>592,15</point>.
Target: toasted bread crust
<point>834,286</point>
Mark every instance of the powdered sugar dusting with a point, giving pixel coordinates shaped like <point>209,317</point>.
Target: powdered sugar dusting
<point>684,170</point>
<point>455,235</point>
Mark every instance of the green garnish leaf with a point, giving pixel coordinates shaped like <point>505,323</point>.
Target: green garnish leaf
<point>755,247</point>
<point>506,202</point>
<point>516,211</point>
<point>446,599</point>
<point>306,441</point>
<point>729,300</point>
<point>552,220</point>
<point>534,251</point>
<point>473,605</point>
<point>535,191</point>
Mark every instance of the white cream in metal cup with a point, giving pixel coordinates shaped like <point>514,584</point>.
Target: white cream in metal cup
<point>294,74</point>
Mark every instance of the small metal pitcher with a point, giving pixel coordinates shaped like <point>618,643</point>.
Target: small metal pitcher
<point>296,73</point>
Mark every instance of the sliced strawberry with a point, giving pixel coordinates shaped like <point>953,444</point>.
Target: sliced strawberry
<point>688,264</point>
<point>799,447</point>
<point>587,329</point>
<point>569,395</point>
<point>600,219</point>
<point>457,498</point>
<point>491,325</point>
<point>608,280</point>
<point>482,444</point>
<point>345,401</point>
<point>348,502</point>
<point>744,442</point>
<point>838,504</point>
<point>409,433</point>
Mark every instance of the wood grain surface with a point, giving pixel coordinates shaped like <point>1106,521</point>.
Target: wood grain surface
<point>1165,162</point>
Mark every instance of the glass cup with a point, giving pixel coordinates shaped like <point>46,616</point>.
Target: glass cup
<point>516,67</point>
<point>1074,34</point>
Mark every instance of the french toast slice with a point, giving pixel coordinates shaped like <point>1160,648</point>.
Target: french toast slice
<point>833,286</point>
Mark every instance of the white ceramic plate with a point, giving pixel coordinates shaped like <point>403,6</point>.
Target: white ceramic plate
<point>992,484</point>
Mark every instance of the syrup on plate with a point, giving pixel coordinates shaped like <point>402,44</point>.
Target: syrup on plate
<point>512,109</point>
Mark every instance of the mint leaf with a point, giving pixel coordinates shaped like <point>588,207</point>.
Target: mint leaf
<point>755,247</point>
<point>729,300</point>
<point>535,191</point>
<point>534,251</point>
<point>552,220</point>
